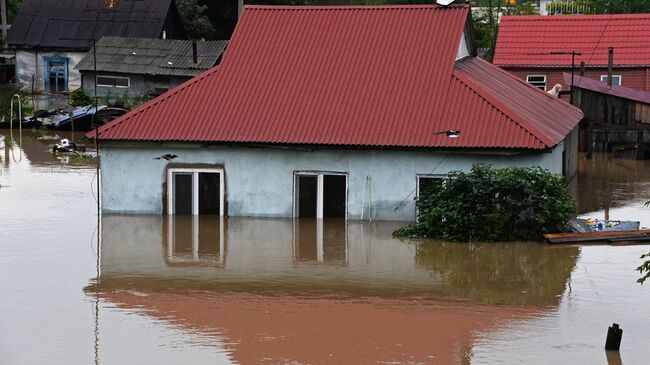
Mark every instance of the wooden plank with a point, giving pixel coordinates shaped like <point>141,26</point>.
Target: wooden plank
<point>599,237</point>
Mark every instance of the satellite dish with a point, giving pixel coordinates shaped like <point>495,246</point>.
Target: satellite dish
<point>444,2</point>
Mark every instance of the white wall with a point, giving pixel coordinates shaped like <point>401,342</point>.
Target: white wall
<point>30,62</point>
<point>259,181</point>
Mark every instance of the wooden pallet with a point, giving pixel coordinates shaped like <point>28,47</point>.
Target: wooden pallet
<point>618,238</point>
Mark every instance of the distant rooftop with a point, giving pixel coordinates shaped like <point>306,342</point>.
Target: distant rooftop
<point>152,56</point>
<point>73,24</point>
<point>527,41</point>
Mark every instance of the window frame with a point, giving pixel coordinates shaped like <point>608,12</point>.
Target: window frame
<point>171,206</point>
<point>531,83</point>
<point>320,188</point>
<point>128,81</point>
<point>603,78</point>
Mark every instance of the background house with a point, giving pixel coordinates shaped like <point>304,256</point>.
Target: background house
<point>320,123</point>
<point>525,45</point>
<point>615,115</point>
<point>145,66</point>
<point>52,36</point>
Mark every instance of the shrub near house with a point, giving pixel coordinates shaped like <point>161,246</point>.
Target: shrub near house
<point>488,204</point>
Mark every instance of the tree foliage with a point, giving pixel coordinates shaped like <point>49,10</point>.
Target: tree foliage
<point>80,97</point>
<point>488,204</point>
<point>197,25</point>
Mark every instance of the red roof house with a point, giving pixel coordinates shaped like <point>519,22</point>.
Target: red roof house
<point>528,47</point>
<point>373,78</point>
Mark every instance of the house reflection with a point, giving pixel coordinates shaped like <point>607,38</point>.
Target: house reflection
<point>321,241</point>
<point>195,240</point>
<point>271,256</point>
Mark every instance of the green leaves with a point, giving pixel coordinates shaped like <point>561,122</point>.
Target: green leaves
<point>488,204</point>
<point>644,269</point>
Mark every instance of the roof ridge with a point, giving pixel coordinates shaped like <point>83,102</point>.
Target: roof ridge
<point>353,7</point>
<point>503,109</point>
<point>153,102</point>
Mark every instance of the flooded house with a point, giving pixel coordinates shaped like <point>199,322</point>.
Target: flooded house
<point>538,49</point>
<point>51,37</point>
<point>331,112</point>
<point>145,66</point>
<point>614,115</point>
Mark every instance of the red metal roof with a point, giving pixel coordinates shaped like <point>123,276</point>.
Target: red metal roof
<point>602,87</point>
<point>361,75</point>
<point>528,40</point>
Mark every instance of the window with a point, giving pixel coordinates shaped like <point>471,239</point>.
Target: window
<point>320,195</point>
<point>426,182</point>
<point>195,191</point>
<point>538,81</point>
<point>616,79</point>
<point>56,74</point>
<point>113,81</point>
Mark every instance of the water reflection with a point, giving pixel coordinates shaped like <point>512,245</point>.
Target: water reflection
<point>606,183</point>
<point>195,240</point>
<point>33,147</point>
<point>309,256</point>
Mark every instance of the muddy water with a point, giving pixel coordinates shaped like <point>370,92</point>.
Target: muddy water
<point>240,290</point>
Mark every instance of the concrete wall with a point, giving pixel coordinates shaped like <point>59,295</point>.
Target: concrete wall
<point>259,181</point>
<point>30,62</point>
<point>139,84</point>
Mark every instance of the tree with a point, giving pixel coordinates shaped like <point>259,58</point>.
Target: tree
<point>197,25</point>
<point>617,7</point>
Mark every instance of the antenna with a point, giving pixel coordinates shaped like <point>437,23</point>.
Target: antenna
<point>444,3</point>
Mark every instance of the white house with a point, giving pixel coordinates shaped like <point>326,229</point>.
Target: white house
<point>331,112</point>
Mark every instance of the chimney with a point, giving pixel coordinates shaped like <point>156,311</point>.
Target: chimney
<point>195,55</point>
<point>610,67</point>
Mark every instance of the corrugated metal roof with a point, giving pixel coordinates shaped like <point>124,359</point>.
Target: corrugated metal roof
<point>528,40</point>
<point>70,24</point>
<point>366,76</point>
<point>602,87</point>
<point>152,56</point>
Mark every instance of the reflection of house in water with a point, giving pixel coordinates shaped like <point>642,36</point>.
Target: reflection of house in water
<point>303,256</point>
<point>281,291</point>
<point>195,240</point>
<point>320,240</point>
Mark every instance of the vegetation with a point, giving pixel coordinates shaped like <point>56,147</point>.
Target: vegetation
<point>602,6</point>
<point>488,204</point>
<point>124,100</point>
<point>197,25</point>
<point>644,268</point>
<point>80,97</point>
<point>6,93</point>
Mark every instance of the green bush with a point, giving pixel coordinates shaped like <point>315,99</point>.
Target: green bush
<point>488,204</point>
<point>80,97</point>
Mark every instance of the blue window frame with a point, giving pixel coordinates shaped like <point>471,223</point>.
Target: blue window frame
<point>56,73</point>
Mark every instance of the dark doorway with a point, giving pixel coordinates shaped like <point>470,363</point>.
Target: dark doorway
<point>334,194</point>
<point>307,196</point>
<point>209,193</point>
<point>182,193</point>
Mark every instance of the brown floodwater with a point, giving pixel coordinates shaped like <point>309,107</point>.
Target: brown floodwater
<point>210,290</point>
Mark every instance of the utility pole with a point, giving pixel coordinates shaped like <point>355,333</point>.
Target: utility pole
<point>573,68</point>
<point>3,9</point>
